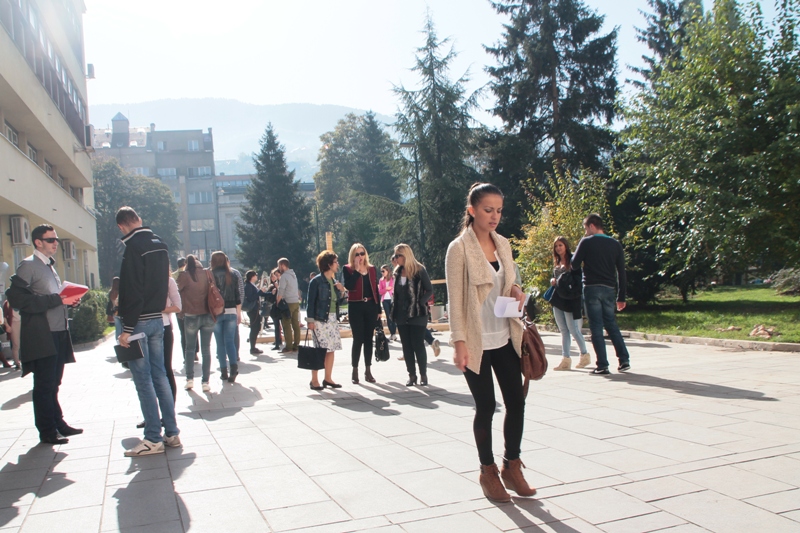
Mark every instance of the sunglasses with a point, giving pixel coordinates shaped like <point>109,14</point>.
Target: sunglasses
<point>51,240</point>
<point>360,254</point>
<point>395,256</point>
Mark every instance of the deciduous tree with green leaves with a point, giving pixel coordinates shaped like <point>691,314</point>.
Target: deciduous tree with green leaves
<point>114,187</point>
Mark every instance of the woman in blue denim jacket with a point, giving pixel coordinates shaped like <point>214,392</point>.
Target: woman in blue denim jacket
<point>322,315</point>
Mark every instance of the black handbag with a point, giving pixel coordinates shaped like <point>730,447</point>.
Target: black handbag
<point>309,357</point>
<point>381,345</point>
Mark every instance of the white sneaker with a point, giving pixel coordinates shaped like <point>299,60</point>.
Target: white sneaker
<point>173,441</point>
<point>189,384</point>
<point>206,387</point>
<point>436,348</point>
<point>145,448</point>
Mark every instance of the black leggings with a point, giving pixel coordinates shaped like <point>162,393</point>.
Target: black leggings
<point>169,341</point>
<point>413,340</point>
<point>255,326</point>
<point>363,317</point>
<point>506,365</point>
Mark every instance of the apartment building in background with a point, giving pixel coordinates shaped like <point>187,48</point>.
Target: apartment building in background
<point>45,136</point>
<point>184,161</point>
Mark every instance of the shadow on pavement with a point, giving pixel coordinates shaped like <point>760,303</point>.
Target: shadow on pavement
<point>11,374</point>
<point>537,509</point>
<point>32,473</point>
<point>146,498</point>
<point>398,394</point>
<point>13,403</point>
<point>694,388</point>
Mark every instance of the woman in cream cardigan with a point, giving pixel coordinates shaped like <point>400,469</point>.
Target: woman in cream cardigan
<point>480,268</point>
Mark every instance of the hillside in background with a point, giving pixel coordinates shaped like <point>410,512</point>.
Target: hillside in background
<point>238,127</point>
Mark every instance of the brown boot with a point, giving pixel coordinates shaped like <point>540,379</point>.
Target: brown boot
<point>368,376</point>
<point>513,478</point>
<point>490,483</point>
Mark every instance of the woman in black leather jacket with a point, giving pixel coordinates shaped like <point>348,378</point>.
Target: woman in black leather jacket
<point>322,315</point>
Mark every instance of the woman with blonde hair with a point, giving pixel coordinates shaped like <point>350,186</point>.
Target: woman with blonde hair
<point>229,320</point>
<point>412,290</point>
<point>480,268</point>
<point>363,306</point>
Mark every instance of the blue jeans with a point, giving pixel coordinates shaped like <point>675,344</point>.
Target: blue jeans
<point>225,335</point>
<point>600,306</point>
<point>191,325</point>
<point>151,382</point>
<point>117,327</point>
<point>568,325</point>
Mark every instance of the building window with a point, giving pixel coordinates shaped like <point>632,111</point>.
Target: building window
<point>196,172</point>
<point>177,197</point>
<point>194,146</point>
<point>164,172</point>
<point>33,155</point>
<point>48,169</point>
<point>11,135</point>
<point>203,224</point>
<point>180,230</point>
<point>200,254</point>
<point>162,146</point>
<point>201,197</point>
<point>140,171</point>
<point>62,181</point>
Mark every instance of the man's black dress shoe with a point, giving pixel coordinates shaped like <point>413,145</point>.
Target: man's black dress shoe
<point>54,439</point>
<point>69,431</point>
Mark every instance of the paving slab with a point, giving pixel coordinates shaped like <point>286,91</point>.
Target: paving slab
<point>672,446</point>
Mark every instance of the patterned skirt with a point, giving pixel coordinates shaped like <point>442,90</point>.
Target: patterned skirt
<point>326,334</point>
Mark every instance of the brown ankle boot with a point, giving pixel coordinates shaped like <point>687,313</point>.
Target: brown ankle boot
<point>490,483</point>
<point>513,478</point>
<point>368,376</point>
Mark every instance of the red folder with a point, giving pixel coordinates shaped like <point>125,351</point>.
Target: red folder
<point>69,289</point>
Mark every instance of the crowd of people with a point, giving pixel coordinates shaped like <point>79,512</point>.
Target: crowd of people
<point>479,269</point>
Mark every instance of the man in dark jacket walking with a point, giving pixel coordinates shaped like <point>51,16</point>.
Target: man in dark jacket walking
<point>603,284</point>
<point>143,285</point>
<point>45,345</point>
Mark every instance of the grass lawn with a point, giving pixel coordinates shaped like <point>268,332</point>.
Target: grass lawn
<point>744,307</point>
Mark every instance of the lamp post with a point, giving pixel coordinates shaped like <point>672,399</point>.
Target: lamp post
<point>316,223</point>
<point>419,197</point>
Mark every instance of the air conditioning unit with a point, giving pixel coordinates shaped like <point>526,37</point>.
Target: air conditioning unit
<point>69,250</point>
<point>20,231</point>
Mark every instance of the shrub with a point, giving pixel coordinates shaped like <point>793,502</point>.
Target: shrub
<point>787,281</point>
<point>89,319</point>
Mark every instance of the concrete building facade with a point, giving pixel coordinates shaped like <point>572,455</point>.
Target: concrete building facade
<point>184,161</point>
<point>45,138</point>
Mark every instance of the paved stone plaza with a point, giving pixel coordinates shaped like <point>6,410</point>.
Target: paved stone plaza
<point>694,439</point>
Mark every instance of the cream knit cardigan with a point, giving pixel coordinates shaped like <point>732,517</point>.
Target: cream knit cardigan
<point>469,281</point>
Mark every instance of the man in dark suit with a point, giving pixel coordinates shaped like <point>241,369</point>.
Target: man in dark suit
<point>45,344</point>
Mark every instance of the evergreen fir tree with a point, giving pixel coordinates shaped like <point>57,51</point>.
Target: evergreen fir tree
<point>276,219</point>
<point>555,82</point>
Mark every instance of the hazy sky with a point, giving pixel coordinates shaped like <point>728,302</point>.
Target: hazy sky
<point>346,52</point>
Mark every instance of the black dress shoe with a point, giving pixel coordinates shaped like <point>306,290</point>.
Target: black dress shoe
<point>315,388</point>
<point>331,385</point>
<point>69,431</point>
<point>140,425</point>
<point>54,439</point>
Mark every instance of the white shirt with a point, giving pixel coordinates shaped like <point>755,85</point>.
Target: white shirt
<point>173,299</point>
<point>496,332</point>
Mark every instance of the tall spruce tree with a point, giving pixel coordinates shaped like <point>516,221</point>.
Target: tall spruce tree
<point>276,219</point>
<point>436,119</point>
<point>555,82</point>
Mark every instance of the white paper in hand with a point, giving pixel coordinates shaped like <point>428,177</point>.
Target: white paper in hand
<point>506,307</point>
<point>135,337</point>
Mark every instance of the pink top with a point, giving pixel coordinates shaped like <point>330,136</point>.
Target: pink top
<point>386,288</point>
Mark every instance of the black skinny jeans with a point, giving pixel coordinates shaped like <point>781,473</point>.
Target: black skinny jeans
<point>506,365</point>
<point>363,317</point>
<point>255,326</point>
<point>169,342</point>
<point>412,339</point>
<point>47,375</point>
